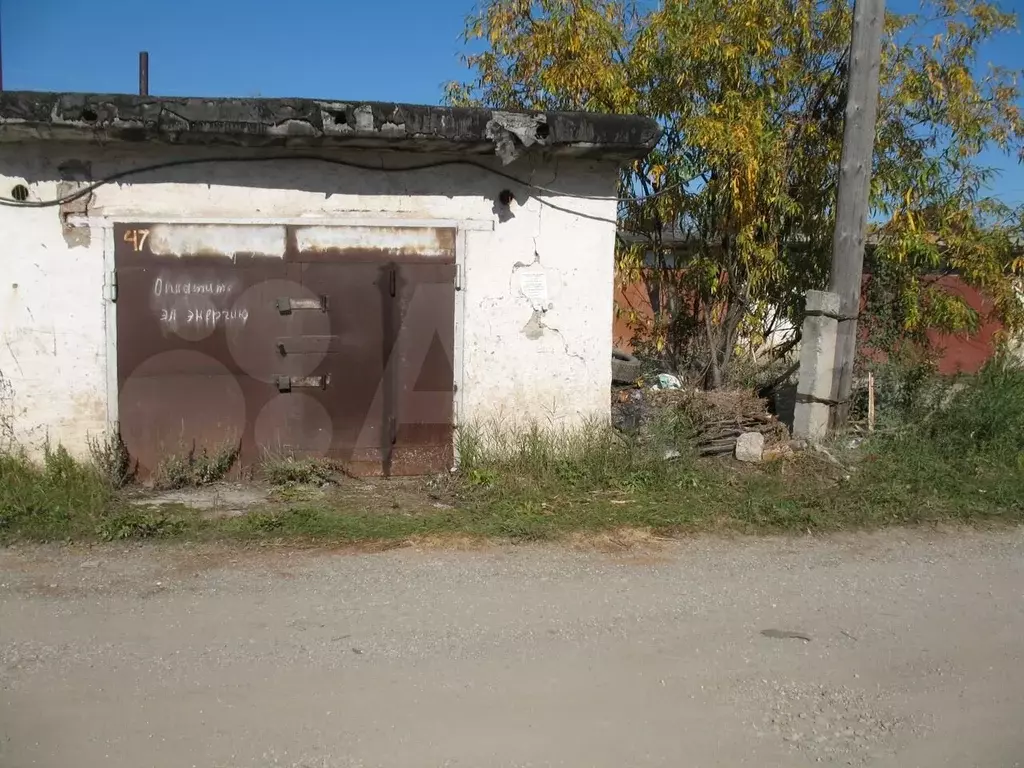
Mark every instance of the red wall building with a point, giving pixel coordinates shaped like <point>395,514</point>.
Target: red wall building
<point>957,352</point>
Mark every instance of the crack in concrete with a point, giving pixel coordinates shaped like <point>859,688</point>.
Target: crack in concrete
<point>565,344</point>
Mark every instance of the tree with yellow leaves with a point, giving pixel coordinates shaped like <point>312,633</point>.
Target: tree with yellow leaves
<point>751,96</point>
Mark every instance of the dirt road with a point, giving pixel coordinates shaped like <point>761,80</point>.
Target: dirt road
<point>671,654</point>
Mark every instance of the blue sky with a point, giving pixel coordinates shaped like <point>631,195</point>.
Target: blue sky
<point>389,50</point>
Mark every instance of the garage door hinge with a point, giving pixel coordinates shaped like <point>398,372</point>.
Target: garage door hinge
<point>458,277</point>
<point>112,286</point>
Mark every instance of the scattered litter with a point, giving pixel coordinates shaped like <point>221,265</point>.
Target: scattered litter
<point>666,381</point>
<point>671,453</point>
<point>827,455</point>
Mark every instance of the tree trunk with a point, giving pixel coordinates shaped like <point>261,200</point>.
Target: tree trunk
<point>713,377</point>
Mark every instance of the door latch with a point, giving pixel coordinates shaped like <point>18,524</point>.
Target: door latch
<point>288,383</point>
<point>286,305</point>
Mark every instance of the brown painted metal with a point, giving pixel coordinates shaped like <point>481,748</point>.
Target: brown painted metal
<point>191,371</point>
<point>354,361</point>
<point>338,352</point>
<point>422,369</point>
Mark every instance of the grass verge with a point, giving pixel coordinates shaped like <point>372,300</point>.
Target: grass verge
<point>57,498</point>
<point>959,457</point>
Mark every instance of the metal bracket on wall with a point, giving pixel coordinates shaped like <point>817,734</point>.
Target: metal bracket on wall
<point>286,305</point>
<point>288,383</point>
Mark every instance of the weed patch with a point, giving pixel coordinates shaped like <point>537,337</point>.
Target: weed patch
<point>192,469</point>
<point>290,470</point>
<point>111,458</point>
<point>56,498</point>
<point>132,523</point>
<point>592,457</point>
<point>959,453</point>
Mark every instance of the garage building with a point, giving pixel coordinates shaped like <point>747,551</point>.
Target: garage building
<point>351,280</point>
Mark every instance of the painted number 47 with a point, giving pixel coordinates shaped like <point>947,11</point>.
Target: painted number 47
<point>137,237</point>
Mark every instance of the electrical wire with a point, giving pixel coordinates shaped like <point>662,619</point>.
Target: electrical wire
<point>581,214</point>
<point>117,176</point>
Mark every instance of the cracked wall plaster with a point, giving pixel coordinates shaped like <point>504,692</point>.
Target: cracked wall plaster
<point>512,133</point>
<point>75,174</point>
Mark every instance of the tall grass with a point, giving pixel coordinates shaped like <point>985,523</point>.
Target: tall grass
<point>538,483</point>
<point>589,457</point>
<point>57,498</point>
<point>961,447</point>
<point>983,417</point>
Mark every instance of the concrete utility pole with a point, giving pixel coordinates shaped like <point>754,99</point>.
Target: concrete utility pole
<point>854,188</point>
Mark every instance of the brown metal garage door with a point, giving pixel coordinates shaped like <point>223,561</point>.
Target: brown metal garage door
<point>287,340</point>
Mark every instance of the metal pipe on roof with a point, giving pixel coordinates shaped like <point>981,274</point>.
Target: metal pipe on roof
<point>143,73</point>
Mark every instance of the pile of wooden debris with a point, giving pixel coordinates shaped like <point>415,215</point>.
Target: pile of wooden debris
<point>719,417</point>
<point>715,420</point>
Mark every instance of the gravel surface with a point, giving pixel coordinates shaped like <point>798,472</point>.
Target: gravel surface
<point>900,648</point>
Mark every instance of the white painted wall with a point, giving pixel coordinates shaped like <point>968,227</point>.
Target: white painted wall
<point>520,364</point>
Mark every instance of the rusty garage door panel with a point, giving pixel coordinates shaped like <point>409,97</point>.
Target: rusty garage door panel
<point>326,341</point>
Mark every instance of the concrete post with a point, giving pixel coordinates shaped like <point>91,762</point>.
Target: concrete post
<point>817,360</point>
